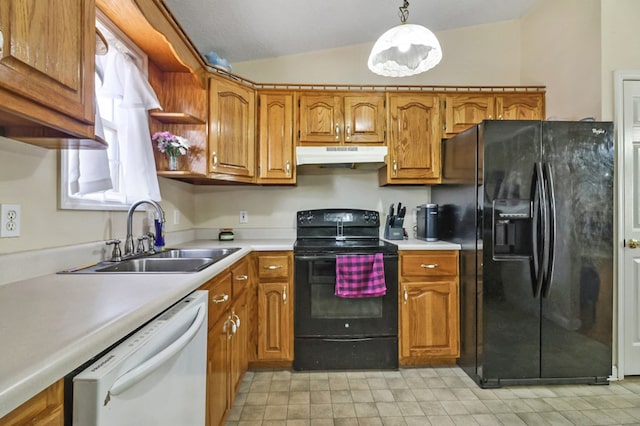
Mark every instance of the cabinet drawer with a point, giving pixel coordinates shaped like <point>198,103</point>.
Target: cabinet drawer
<point>219,296</point>
<point>240,277</point>
<point>429,264</point>
<point>276,266</point>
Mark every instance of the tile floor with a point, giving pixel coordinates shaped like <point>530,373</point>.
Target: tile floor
<point>423,396</point>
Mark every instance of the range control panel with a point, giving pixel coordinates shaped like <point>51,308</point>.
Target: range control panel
<point>331,217</point>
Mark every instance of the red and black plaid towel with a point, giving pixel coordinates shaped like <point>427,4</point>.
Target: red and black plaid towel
<point>360,275</point>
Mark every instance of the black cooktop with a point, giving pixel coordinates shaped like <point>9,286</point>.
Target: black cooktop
<point>327,245</point>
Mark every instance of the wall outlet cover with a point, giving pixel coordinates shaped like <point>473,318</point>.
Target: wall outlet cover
<point>9,220</point>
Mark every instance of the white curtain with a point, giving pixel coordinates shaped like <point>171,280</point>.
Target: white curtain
<point>89,169</point>
<point>123,79</point>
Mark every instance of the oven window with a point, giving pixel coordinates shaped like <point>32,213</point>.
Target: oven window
<point>324,303</point>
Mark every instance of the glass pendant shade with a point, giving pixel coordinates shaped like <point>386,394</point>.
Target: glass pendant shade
<point>405,50</point>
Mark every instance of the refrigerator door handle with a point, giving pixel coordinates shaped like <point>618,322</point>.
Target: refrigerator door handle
<point>538,228</point>
<point>550,239</point>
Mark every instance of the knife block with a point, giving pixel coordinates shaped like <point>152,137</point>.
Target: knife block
<point>393,228</point>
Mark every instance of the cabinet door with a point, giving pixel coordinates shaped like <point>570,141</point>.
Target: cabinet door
<point>429,318</point>
<point>320,119</point>
<point>520,106</point>
<point>414,143</point>
<point>48,54</point>
<point>275,138</point>
<point>231,128</point>
<point>238,357</point>
<point>44,409</point>
<point>364,119</point>
<point>217,372</point>
<point>274,321</point>
<point>464,110</point>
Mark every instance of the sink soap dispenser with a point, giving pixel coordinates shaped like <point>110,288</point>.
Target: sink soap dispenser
<point>159,243</point>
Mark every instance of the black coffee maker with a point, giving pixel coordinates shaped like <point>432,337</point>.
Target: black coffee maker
<point>427,226</point>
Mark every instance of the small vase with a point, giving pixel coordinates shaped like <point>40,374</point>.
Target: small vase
<point>173,162</point>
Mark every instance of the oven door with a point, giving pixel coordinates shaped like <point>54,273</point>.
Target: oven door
<point>319,313</point>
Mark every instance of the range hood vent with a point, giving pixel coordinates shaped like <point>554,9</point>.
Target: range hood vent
<point>341,156</point>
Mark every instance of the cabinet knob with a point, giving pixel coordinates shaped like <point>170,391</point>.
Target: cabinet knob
<point>214,159</point>
<point>287,168</point>
<point>405,295</point>
<point>349,132</point>
<point>395,168</point>
<point>337,132</point>
<point>284,295</point>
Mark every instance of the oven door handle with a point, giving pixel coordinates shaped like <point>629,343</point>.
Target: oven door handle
<point>360,339</point>
<point>333,256</point>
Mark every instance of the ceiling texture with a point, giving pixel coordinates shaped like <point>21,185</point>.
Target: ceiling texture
<point>245,30</point>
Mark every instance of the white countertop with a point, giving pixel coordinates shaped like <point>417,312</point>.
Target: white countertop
<point>52,324</point>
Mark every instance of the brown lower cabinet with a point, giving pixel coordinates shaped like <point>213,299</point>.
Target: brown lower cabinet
<point>44,409</point>
<point>428,307</point>
<point>275,308</point>
<point>229,330</point>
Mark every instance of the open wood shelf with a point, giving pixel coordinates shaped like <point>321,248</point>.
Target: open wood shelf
<point>175,117</point>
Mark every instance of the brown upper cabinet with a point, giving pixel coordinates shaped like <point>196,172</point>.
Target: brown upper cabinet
<point>414,140</point>
<point>334,118</point>
<point>463,110</point>
<point>275,138</point>
<point>47,54</point>
<point>231,130</point>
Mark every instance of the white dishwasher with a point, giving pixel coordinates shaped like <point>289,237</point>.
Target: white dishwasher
<point>156,376</point>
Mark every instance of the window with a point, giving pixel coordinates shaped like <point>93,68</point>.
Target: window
<point>97,180</point>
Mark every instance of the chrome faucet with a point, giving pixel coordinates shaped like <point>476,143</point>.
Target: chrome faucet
<point>128,244</point>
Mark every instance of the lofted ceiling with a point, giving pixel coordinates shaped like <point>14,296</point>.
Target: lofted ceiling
<point>244,30</point>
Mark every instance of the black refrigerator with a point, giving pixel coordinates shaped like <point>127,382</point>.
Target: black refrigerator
<point>531,203</point>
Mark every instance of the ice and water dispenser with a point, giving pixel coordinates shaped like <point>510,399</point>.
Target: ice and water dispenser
<point>512,226</point>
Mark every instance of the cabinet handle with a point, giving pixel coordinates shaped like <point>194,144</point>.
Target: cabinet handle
<point>500,117</point>
<point>236,319</point>
<point>284,295</point>
<point>1,41</point>
<point>429,266</point>
<point>395,168</point>
<point>221,299</point>
<point>348,132</point>
<point>287,167</point>
<point>337,132</point>
<point>490,117</point>
<point>273,267</point>
<point>214,159</point>
<point>242,278</point>
<point>405,295</point>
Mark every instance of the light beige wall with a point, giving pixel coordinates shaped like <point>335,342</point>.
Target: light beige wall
<point>29,177</point>
<point>561,50</point>
<point>275,207</point>
<point>620,41</point>
<point>478,55</point>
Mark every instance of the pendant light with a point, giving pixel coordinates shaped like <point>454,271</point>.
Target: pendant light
<point>405,50</point>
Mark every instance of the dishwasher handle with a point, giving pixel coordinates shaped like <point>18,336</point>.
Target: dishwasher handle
<point>138,373</point>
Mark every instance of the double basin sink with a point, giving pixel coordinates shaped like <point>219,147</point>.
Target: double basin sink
<point>167,261</point>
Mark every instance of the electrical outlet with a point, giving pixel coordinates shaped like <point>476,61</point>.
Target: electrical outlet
<point>244,216</point>
<point>9,220</point>
<point>176,217</point>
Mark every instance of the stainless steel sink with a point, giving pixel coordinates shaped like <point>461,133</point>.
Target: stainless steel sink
<point>168,261</point>
<point>150,264</point>
<point>213,253</point>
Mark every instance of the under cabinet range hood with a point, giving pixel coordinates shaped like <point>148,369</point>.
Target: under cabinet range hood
<point>341,156</point>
